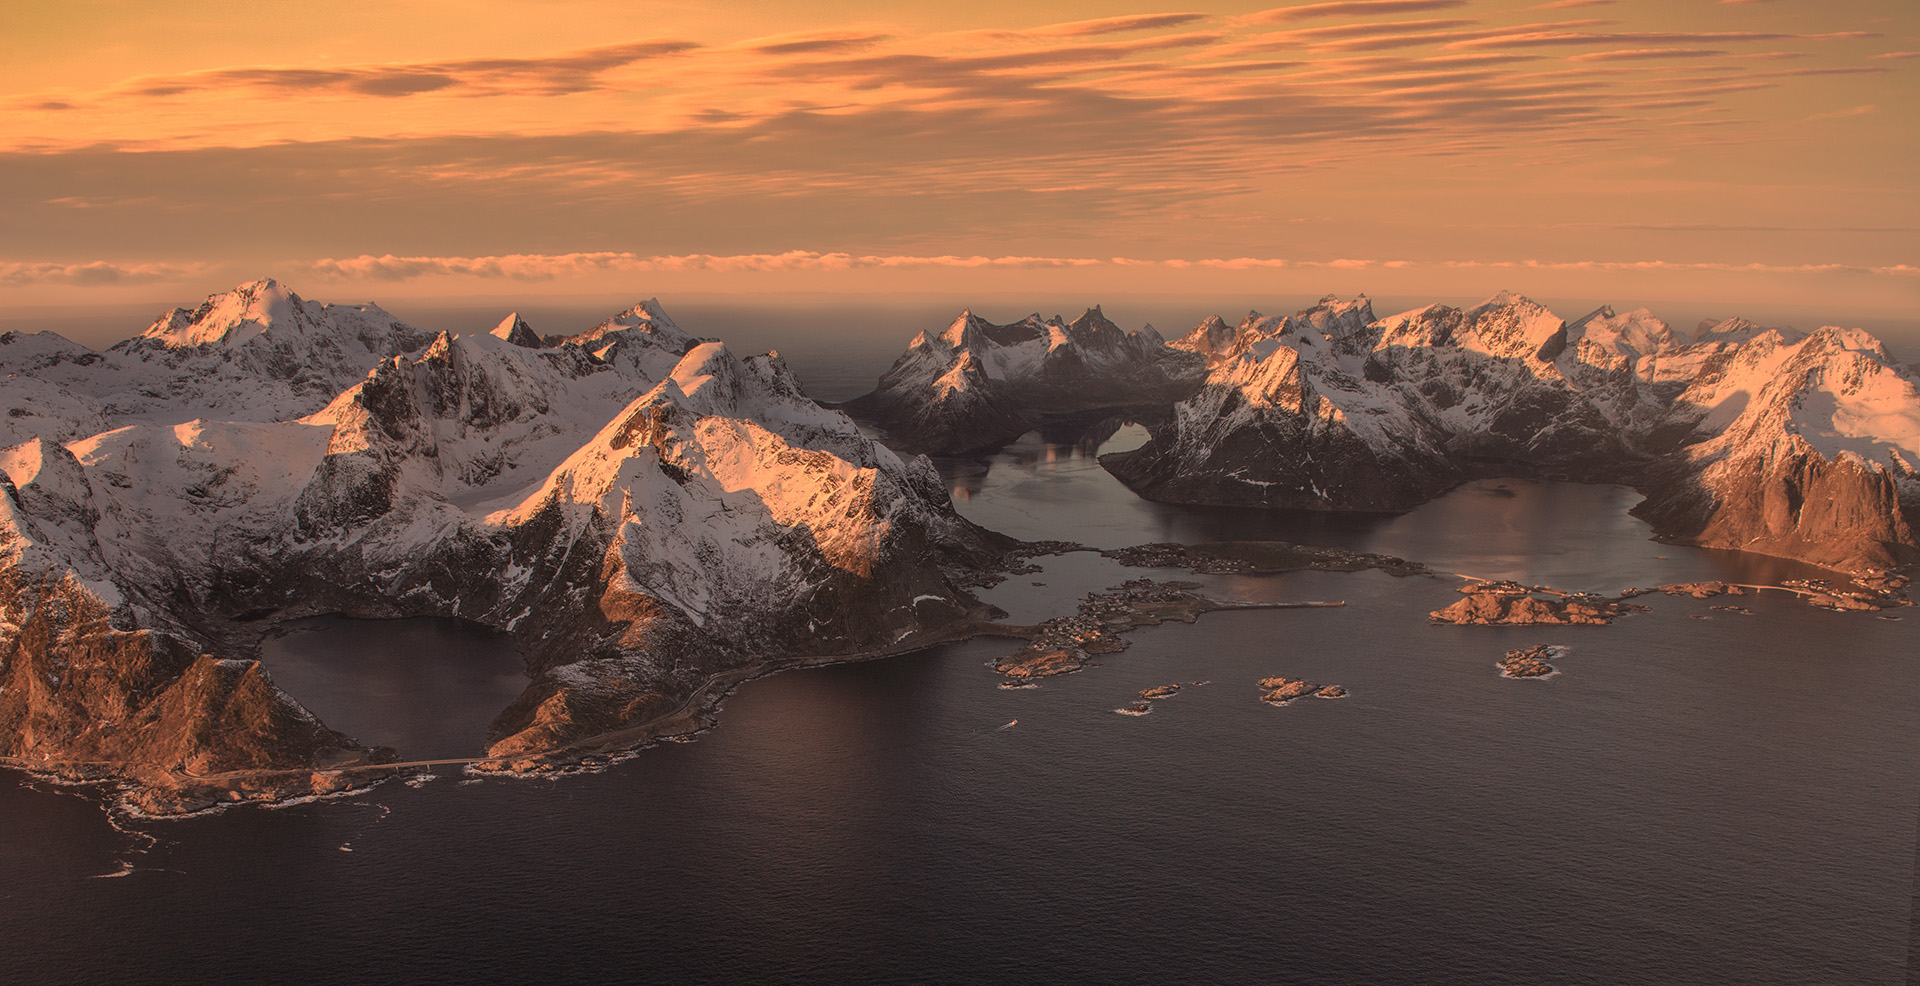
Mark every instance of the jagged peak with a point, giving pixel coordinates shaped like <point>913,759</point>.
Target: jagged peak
<point>1508,298</point>
<point>228,317</point>
<point>1737,329</point>
<point>233,318</point>
<point>515,330</point>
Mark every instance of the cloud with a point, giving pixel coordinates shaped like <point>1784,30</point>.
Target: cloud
<point>1570,4</point>
<point>1557,38</point>
<point>1897,54</point>
<point>1642,54</point>
<point>1380,36</point>
<point>1348,8</point>
<point>567,72</point>
<point>544,267</point>
<point>1861,110</point>
<point>1154,128</point>
<point>1112,25</point>
<point>95,273</point>
<point>815,44</point>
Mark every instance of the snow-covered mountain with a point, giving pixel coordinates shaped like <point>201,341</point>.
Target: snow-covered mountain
<point>978,384</point>
<point>1760,439</point>
<point>256,353</point>
<point>641,509</point>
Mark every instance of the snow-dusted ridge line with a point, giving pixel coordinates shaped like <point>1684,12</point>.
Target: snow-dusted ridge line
<point>1769,440</point>
<point>640,508</point>
<point>977,383</point>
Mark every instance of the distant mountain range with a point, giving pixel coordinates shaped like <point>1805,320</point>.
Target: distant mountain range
<point>1767,440</point>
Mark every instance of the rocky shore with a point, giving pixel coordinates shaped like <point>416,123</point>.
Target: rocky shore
<point>1530,662</point>
<point>1280,690</point>
<point>1259,558</point>
<point>1067,644</point>
<point>1509,603</point>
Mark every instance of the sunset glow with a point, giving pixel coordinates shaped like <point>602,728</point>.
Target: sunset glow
<point>1421,146</point>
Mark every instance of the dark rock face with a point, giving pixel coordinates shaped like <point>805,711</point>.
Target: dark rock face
<point>979,384</point>
<point>646,514</point>
<point>1757,439</point>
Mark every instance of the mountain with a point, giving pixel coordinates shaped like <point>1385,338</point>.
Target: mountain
<point>643,512</point>
<point>1759,439</point>
<point>978,384</point>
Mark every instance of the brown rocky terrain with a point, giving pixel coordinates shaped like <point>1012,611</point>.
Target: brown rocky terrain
<point>1259,558</point>
<point>1530,662</point>
<point>1280,690</point>
<point>1512,604</point>
<point>1067,644</point>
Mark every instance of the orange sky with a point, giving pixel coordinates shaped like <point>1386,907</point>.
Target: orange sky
<point>1636,150</point>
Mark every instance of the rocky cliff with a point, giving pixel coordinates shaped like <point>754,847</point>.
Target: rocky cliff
<point>642,510</point>
<point>1751,438</point>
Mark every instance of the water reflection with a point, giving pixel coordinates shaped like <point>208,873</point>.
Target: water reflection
<point>1050,486</point>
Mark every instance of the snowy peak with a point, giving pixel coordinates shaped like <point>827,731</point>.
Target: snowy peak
<point>230,318</point>
<point>269,312</point>
<point>1632,335</point>
<point>1738,330</point>
<point>1512,326</point>
<point>645,324</point>
<point>1213,335</point>
<point>515,330</point>
<point>978,383</point>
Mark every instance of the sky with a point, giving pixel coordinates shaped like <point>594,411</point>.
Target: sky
<point>1745,153</point>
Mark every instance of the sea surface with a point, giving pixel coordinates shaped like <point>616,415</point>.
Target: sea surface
<point>1699,796</point>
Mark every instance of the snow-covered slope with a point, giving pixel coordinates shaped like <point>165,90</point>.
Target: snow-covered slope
<point>640,509</point>
<point>1761,439</point>
<point>977,384</point>
<point>256,353</point>
<point>1809,446</point>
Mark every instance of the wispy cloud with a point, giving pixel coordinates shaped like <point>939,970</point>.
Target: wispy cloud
<point>1112,25</point>
<point>541,267</point>
<point>1540,39</point>
<point>1004,141</point>
<point>1348,8</point>
<point>95,273</point>
<point>1644,54</point>
<point>544,267</point>
<point>567,72</point>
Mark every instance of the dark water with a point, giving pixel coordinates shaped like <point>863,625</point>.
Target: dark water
<point>1721,800</point>
<point>426,687</point>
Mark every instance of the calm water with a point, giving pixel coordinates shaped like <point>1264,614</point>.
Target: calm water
<point>1721,800</point>
<point>426,687</point>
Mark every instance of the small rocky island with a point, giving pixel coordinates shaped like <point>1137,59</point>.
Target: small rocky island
<point>1067,644</point>
<point>1259,558</point>
<point>1279,690</point>
<point>1530,662</point>
<point>1508,603</point>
